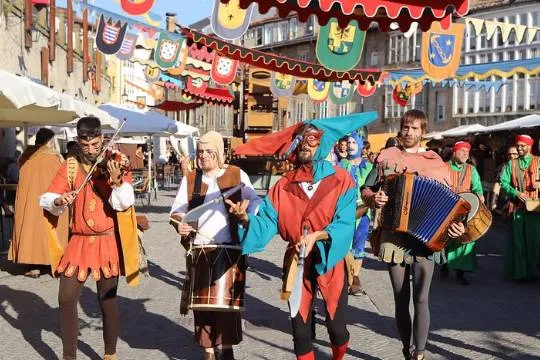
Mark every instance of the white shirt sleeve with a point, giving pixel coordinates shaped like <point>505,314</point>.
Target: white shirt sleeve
<point>180,204</point>
<point>46,201</point>
<point>122,197</point>
<point>249,193</point>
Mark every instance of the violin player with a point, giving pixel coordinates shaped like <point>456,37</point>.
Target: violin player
<point>103,231</point>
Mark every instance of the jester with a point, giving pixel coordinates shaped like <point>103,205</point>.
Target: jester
<point>359,169</point>
<point>313,208</point>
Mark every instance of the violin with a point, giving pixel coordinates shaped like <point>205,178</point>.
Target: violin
<point>116,156</point>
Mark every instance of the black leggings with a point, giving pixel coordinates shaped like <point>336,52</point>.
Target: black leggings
<point>68,296</point>
<point>336,327</point>
<point>422,272</point>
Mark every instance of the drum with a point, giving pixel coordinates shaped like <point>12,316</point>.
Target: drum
<point>479,219</point>
<point>218,278</point>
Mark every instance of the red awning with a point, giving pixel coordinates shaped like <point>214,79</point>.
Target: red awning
<point>40,2</point>
<point>214,96</point>
<point>384,12</point>
<point>281,64</point>
<point>170,105</point>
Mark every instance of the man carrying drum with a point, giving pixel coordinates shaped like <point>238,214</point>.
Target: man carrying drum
<point>464,178</point>
<point>404,254</point>
<point>215,227</point>
<point>520,180</point>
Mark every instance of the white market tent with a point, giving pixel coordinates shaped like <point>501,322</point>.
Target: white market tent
<point>525,122</point>
<point>24,102</point>
<point>140,122</point>
<point>462,130</point>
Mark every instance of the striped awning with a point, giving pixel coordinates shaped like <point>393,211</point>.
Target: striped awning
<point>384,12</point>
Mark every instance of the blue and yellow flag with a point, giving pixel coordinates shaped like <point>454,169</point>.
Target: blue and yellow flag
<point>441,50</point>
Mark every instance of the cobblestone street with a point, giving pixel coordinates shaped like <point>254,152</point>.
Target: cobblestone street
<point>491,319</point>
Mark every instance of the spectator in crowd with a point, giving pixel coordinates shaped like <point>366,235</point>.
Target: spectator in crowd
<point>499,200</point>
<point>30,245</point>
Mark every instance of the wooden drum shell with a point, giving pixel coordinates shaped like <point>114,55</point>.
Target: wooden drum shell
<point>218,278</point>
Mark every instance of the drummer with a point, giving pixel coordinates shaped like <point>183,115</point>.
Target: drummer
<point>215,226</point>
<point>464,178</point>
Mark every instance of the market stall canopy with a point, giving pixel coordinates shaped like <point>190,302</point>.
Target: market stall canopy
<point>185,130</point>
<point>529,121</point>
<point>172,105</point>
<point>141,122</point>
<point>384,12</point>
<point>25,102</point>
<point>462,130</point>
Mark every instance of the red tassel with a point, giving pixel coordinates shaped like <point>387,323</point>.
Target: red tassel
<point>338,352</point>
<point>309,356</point>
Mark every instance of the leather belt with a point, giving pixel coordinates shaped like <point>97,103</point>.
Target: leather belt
<point>94,234</point>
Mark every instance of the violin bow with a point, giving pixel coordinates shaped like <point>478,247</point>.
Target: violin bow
<point>99,159</point>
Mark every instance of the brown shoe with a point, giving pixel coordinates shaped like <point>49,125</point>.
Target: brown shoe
<point>110,357</point>
<point>418,355</point>
<point>209,356</point>
<point>356,287</point>
<point>34,273</point>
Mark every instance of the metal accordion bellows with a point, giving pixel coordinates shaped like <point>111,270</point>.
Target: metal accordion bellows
<point>423,208</point>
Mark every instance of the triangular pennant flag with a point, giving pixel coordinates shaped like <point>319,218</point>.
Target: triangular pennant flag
<point>491,26</point>
<point>520,32</point>
<point>531,33</point>
<point>506,29</point>
<point>478,24</point>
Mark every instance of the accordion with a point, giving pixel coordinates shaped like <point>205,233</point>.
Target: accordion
<point>423,208</point>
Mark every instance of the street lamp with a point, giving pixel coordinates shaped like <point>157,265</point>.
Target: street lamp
<point>124,97</point>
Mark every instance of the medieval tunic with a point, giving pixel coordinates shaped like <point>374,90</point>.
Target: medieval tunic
<point>94,242</point>
<point>522,259</point>
<point>214,227</point>
<point>465,178</point>
<point>296,202</point>
<point>30,243</point>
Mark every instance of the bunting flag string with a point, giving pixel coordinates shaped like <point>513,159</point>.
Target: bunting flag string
<point>505,29</point>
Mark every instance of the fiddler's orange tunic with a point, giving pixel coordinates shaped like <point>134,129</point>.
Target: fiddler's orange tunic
<point>94,244</point>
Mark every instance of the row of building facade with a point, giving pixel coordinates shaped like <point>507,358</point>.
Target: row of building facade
<point>446,107</point>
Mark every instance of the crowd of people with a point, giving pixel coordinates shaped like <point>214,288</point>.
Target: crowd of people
<point>326,207</point>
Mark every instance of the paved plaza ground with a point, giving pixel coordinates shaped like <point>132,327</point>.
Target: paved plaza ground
<point>491,319</point>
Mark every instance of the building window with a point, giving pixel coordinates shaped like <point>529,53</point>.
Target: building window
<point>402,50</point>
<point>472,37</point>
<point>258,36</point>
<point>283,31</point>
<point>534,95</point>
<point>323,110</point>
<point>293,28</point>
<point>343,109</point>
<point>509,93</point>
<point>222,116</point>
<point>374,59</point>
<point>310,25</point>
<point>268,34</point>
<point>299,111</point>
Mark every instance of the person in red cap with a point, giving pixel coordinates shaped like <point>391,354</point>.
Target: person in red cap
<point>464,178</point>
<point>519,179</point>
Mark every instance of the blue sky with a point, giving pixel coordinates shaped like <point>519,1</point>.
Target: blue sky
<point>188,11</point>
